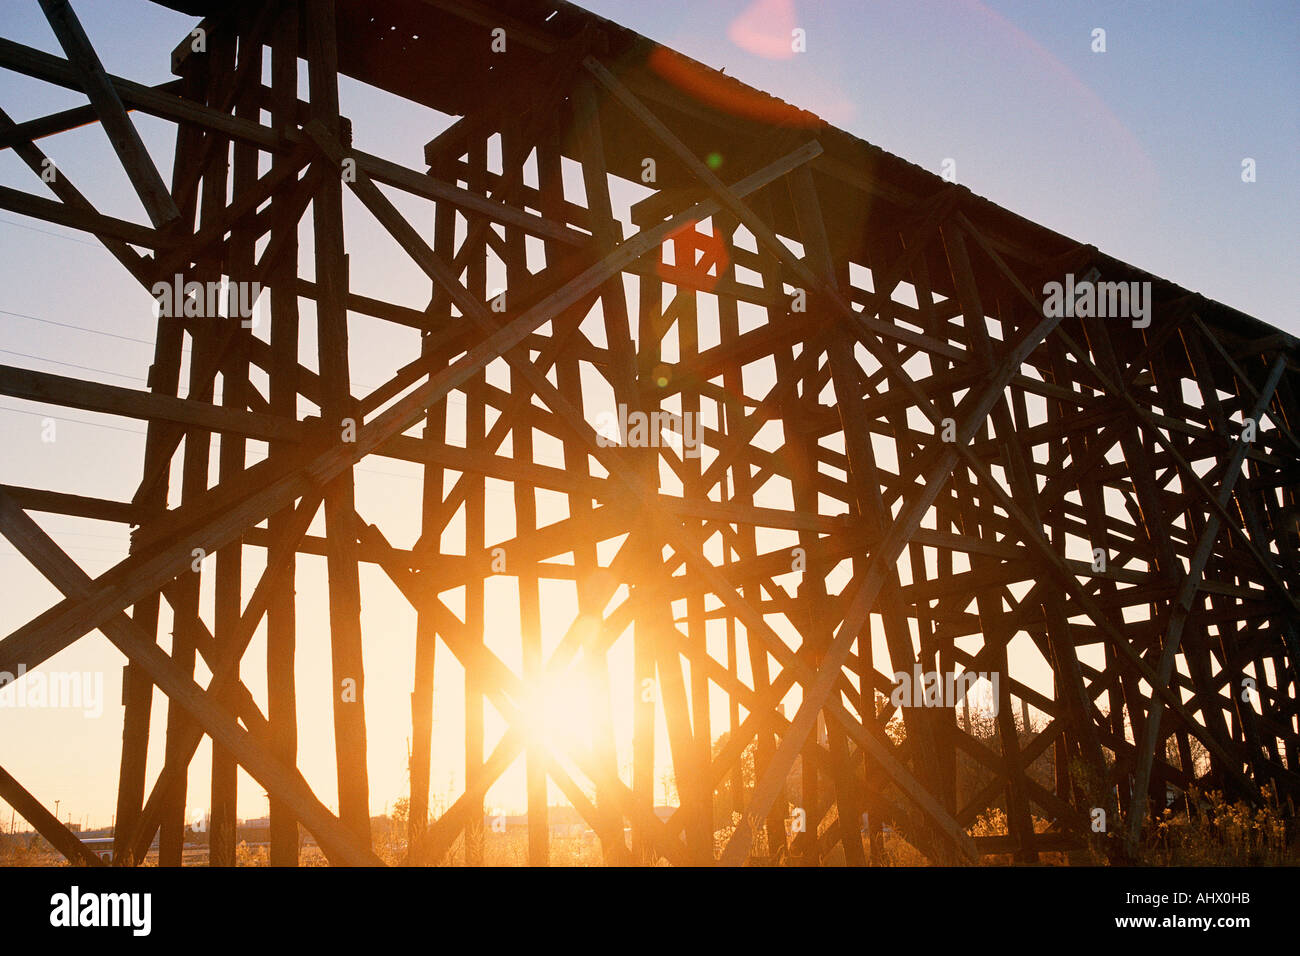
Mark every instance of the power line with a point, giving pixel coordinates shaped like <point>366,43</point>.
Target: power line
<point>80,328</point>
<point>84,368</point>
<point>46,232</point>
<point>57,532</point>
<point>74,421</point>
<point>452,398</point>
<point>122,551</point>
<point>135,431</point>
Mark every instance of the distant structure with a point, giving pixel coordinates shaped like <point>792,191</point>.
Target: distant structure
<point>891,425</point>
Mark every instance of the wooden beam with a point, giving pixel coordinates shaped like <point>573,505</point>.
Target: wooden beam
<point>80,506</point>
<point>59,836</point>
<point>130,149</point>
<point>1181,609</point>
<point>67,392</point>
<point>137,646</point>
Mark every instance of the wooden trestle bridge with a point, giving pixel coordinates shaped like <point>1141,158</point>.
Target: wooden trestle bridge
<point>904,460</point>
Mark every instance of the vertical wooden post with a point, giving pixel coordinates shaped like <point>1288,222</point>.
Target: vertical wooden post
<point>475,538</point>
<point>514,151</point>
<point>623,375</point>
<point>164,378</point>
<point>647,695</point>
<point>281,615</point>
<point>231,460</point>
<point>426,632</point>
<point>339,412</point>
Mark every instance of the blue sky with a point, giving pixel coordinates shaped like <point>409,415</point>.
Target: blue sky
<point>1136,150</point>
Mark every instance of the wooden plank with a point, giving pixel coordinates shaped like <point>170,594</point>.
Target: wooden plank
<point>52,69</point>
<point>68,392</point>
<point>78,217</point>
<point>862,473</point>
<point>426,628</point>
<point>1144,417</point>
<point>332,348</point>
<point>975,409</point>
<point>224,686</point>
<point>591,149</point>
<point>51,124</point>
<point>525,504</point>
<point>1181,609</point>
<point>67,193</point>
<point>59,836</point>
<point>80,506</point>
<point>130,149</point>
<point>284,385</point>
<point>766,792</point>
<point>475,518</point>
<point>160,102</point>
<point>335,839</point>
<point>273,488</point>
<point>151,494</point>
<point>231,458</point>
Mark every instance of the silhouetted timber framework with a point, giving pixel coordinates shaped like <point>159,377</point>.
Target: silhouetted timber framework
<point>905,459</point>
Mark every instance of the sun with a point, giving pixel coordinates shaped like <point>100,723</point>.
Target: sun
<point>558,713</point>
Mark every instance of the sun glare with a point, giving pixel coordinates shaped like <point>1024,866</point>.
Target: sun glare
<point>559,712</point>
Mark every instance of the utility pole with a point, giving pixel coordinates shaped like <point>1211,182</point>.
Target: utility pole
<point>56,808</point>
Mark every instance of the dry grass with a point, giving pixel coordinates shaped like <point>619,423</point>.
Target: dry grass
<point>1206,830</point>
<point>1202,830</point>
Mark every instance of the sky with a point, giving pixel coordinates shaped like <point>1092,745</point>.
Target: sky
<point>1137,150</point>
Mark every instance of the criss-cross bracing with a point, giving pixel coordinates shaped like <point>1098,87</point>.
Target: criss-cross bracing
<point>819,424</point>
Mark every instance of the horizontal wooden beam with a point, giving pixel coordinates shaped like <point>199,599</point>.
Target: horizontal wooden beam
<point>38,207</point>
<point>68,392</point>
<point>80,506</point>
